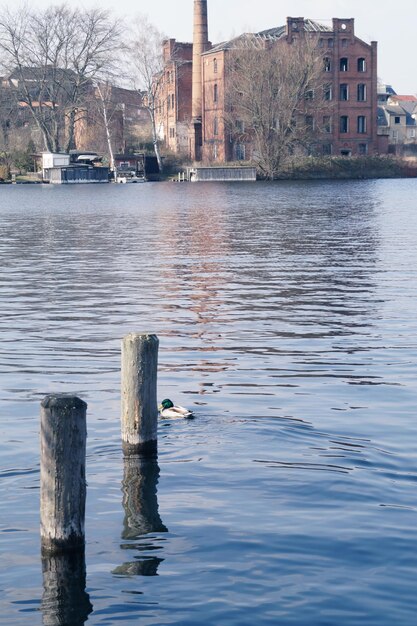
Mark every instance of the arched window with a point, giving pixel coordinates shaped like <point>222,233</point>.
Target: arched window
<point>215,126</point>
<point>361,92</point>
<point>215,93</point>
<point>344,124</point>
<point>215,66</point>
<point>328,92</point>
<point>344,64</point>
<point>361,124</point>
<point>344,92</point>
<point>327,64</point>
<point>361,65</point>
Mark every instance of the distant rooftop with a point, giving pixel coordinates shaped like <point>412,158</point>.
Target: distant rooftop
<point>273,34</point>
<point>310,26</point>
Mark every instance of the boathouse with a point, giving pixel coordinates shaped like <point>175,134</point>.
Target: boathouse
<point>76,167</point>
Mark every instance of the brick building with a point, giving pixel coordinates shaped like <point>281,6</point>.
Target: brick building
<point>173,114</point>
<point>128,120</point>
<point>193,102</point>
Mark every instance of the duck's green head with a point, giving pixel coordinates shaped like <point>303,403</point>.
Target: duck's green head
<point>167,404</point>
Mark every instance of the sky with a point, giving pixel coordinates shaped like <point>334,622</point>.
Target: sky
<point>395,31</point>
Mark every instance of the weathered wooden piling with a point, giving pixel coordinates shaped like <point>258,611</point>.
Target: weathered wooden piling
<point>139,387</point>
<point>63,486</point>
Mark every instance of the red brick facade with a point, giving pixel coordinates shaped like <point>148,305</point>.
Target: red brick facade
<point>174,102</point>
<point>349,70</point>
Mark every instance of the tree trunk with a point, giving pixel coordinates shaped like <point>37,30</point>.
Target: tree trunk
<point>70,144</point>
<point>107,128</point>
<point>155,139</point>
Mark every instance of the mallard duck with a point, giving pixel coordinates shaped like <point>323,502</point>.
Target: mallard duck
<point>167,409</point>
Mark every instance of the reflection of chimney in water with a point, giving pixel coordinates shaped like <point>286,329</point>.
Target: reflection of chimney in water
<point>65,600</point>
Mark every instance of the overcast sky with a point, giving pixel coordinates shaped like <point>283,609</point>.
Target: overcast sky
<point>393,27</point>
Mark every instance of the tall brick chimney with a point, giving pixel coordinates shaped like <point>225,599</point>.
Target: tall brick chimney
<point>200,45</point>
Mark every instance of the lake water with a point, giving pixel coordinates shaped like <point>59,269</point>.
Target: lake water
<point>286,314</point>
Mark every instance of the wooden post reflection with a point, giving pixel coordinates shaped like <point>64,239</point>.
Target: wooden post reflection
<point>65,600</point>
<point>140,502</point>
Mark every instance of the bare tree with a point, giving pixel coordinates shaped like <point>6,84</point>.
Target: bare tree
<point>52,57</point>
<point>276,98</point>
<point>106,112</point>
<point>148,72</point>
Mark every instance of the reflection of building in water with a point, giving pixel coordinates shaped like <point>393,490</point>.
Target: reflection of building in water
<point>140,503</point>
<point>65,601</point>
<point>195,275</point>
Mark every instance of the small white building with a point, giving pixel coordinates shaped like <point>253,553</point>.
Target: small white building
<point>54,159</point>
<point>63,169</point>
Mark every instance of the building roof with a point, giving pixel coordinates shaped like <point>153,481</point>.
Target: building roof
<point>397,107</point>
<point>40,73</point>
<point>382,119</point>
<point>310,26</point>
<point>404,98</point>
<point>271,34</point>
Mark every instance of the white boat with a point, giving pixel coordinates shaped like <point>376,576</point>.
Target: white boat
<point>129,177</point>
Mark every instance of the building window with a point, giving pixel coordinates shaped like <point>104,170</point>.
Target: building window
<point>344,64</point>
<point>309,94</point>
<point>215,93</point>
<point>215,126</point>
<point>345,43</point>
<point>361,124</point>
<point>344,92</point>
<point>397,119</point>
<point>327,64</point>
<point>172,132</point>
<point>363,148</point>
<point>411,133</point>
<point>327,149</point>
<point>321,42</point>
<point>344,124</point>
<point>328,92</point>
<point>361,92</point>
<point>327,124</point>
<point>309,122</point>
<point>215,66</point>
<point>240,152</point>
<point>240,126</point>
<point>172,101</point>
<point>361,65</point>
<point>330,43</point>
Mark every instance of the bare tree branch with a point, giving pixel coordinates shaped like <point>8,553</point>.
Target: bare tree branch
<point>275,98</point>
<point>52,57</point>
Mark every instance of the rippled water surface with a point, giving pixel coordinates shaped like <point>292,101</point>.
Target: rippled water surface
<point>287,321</point>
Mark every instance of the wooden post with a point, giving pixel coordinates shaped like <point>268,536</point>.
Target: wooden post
<point>63,486</point>
<point>139,403</point>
